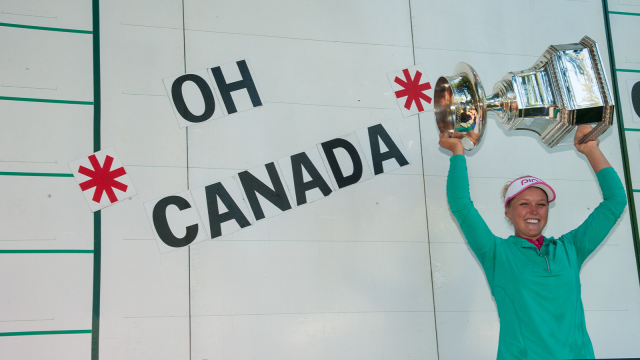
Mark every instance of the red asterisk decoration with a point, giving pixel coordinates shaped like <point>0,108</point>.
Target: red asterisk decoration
<point>102,178</point>
<point>413,90</point>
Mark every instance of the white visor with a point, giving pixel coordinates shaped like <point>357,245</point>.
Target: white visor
<point>521,184</point>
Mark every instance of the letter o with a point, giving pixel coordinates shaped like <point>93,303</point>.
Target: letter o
<point>181,106</point>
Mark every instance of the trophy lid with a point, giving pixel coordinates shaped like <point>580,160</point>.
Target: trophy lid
<point>461,106</point>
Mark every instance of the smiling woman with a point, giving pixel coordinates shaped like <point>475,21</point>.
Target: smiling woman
<point>528,212</point>
<point>536,280</point>
<point>531,197</point>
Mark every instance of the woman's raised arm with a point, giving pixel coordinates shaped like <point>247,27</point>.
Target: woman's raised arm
<point>588,236</point>
<point>475,230</point>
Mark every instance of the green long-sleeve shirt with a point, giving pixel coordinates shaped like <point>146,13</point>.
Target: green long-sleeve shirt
<point>537,292</point>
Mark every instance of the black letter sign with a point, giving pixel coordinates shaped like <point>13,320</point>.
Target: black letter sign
<point>298,161</point>
<point>277,196</point>
<point>378,131</point>
<point>181,106</point>
<point>217,191</point>
<point>227,89</point>
<point>635,97</point>
<point>328,147</point>
<point>162,225</point>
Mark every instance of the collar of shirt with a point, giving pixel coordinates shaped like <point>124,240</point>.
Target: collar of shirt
<point>537,242</point>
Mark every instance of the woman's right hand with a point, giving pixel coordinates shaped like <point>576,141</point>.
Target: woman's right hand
<point>450,143</point>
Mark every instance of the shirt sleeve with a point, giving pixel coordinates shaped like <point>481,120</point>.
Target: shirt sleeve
<point>475,230</point>
<point>595,229</point>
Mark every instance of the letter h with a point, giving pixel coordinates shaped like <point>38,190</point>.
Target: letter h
<point>226,89</point>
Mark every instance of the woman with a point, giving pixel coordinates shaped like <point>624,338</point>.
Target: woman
<point>534,279</point>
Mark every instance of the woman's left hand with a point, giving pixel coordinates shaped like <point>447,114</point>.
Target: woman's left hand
<point>596,158</point>
<point>589,145</point>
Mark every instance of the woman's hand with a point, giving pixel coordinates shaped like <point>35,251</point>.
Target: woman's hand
<point>581,132</point>
<point>596,158</point>
<point>450,143</point>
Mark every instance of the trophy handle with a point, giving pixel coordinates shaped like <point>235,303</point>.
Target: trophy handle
<point>461,105</point>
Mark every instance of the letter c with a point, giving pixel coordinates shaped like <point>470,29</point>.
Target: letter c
<point>162,225</point>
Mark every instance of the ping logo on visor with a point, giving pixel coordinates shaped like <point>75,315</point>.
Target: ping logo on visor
<point>521,184</point>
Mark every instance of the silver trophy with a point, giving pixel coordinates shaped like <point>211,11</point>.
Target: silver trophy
<point>565,88</point>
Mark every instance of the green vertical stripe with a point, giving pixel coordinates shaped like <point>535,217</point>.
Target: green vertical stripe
<point>623,137</point>
<point>97,223</point>
<point>52,332</point>
<point>95,311</point>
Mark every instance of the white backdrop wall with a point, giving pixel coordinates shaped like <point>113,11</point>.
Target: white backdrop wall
<point>377,270</point>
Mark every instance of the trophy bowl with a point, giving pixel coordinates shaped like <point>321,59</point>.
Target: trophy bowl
<point>565,88</point>
<point>461,106</point>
